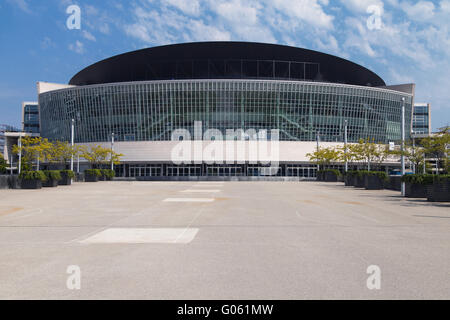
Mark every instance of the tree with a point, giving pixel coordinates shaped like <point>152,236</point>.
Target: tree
<point>369,151</point>
<point>97,155</point>
<point>414,154</point>
<point>62,152</point>
<point>324,156</point>
<point>353,153</point>
<point>437,146</point>
<point>32,149</point>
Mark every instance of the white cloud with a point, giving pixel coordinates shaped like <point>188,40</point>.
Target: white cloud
<point>21,4</point>
<point>89,36</point>
<point>162,22</point>
<point>77,47</point>
<point>308,11</point>
<point>360,6</point>
<point>420,11</point>
<point>190,7</point>
<point>96,20</point>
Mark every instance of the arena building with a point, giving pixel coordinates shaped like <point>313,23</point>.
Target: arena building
<point>222,96</point>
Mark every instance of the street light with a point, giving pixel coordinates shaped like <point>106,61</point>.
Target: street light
<point>20,152</point>
<point>345,144</point>
<point>72,143</point>
<point>403,145</point>
<point>317,140</point>
<point>112,150</point>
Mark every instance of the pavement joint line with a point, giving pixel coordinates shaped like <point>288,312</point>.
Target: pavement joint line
<point>189,200</point>
<point>200,191</point>
<point>190,224</point>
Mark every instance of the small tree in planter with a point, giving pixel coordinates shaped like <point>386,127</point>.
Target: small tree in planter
<point>324,157</point>
<point>98,156</point>
<point>369,152</point>
<point>107,174</point>
<point>32,179</point>
<point>92,175</point>
<point>29,150</point>
<point>416,185</point>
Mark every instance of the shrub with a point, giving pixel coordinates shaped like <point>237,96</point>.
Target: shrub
<point>335,171</point>
<point>418,178</point>
<point>350,173</point>
<point>93,172</point>
<point>380,174</point>
<point>33,175</point>
<point>52,175</point>
<point>69,173</point>
<point>442,178</point>
<point>361,173</point>
<point>3,164</point>
<point>108,173</point>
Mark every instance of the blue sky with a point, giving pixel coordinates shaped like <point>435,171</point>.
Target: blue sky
<point>411,44</point>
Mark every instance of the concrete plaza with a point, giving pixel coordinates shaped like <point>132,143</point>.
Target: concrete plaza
<point>221,240</point>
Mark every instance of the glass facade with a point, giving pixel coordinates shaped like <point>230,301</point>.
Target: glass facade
<point>421,119</point>
<point>31,118</point>
<point>150,111</point>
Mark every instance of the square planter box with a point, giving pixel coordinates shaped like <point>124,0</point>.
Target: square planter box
<point>90,178</point>
<point>348,179</point>
<point>31,184</point>
<point>330,177</point>
<point>439,192</point>
<point>394,183</point>
<point>320,176</point>
<point>50,183</point>
<point>102,178</point>
<point>360,182</point>
<point>65,181</point>
<point>373,183</point>
<point>415,190</point>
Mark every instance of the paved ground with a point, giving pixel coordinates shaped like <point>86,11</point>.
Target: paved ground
<point>255,240</point>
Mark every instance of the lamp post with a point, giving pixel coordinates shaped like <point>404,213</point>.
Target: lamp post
<point>345,144</point>
<point>72,142</point>
<point>403,145</point>
<point>318,140</point>
<point>112,150</point>
<point>20,153</point>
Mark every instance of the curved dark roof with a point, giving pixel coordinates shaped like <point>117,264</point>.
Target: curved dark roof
<point>226,60</point>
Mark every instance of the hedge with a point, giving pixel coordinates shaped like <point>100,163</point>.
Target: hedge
<point>69,173</point>
<point>108,173</point>
<point>93,172</point>
<point>52,174</point>
<point>33,175</point>
<point>424,179</point>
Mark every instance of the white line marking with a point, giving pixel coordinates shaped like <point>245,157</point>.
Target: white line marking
<point>143,235</point>
<point>189,200</point>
